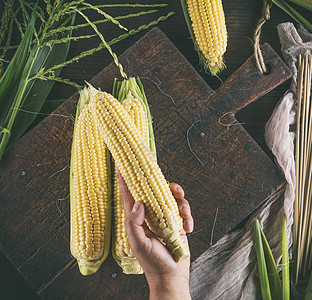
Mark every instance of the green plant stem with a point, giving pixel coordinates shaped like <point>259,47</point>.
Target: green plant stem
<point>11,84</point>
<point>133,5</point>
<point>303,3</point>
<point>24,13</point>
<point>142,27</point>
<point>40,12</point>
<point>4,137</point>
<point>111,42</point>
<point>273,275</point>
<point>21,91</point>
<point>5,19</point>
<point>49,6</point>
<point>293,13</point>
<point>103,13</point>
<point>62,80</point>
<point>26,16</point>
<point>15,107</point>
<point>263,273</point>
<point>107,46</point>
<point>62,29</point>
<point>126,5</point>
<point>18,25</point>
<point>50,43</point>
<point>69,28</point>
<point>285,261</point>
<point>8,40</point>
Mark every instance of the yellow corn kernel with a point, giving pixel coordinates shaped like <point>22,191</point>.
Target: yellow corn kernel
<point>140,171</point>
<point>208,23</point>
<point>138,115</point>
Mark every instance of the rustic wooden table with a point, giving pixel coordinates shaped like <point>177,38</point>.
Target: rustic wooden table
<point>241,18</point>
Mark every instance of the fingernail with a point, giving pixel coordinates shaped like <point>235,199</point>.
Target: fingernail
<point>186,209</point>
<point>136,206</point>
<point>179,189</point>
<point>188,226</point>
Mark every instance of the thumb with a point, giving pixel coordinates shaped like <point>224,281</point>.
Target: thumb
<point>134,228</point>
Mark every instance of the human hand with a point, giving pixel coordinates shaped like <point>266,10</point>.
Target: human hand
<point>167,278</point>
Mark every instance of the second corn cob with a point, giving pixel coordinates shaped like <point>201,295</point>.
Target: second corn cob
<point>140,171</point>
<point>121,250</point>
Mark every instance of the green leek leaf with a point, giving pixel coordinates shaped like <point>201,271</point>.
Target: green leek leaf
<point>188,21</point>
<point>10,83</point>
<point>303,3</point>
<point>285,262</point>
<point>262,269</point>
<point>293,13</point>
<point>273,275</point>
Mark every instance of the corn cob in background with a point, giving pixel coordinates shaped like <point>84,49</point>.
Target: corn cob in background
<point>134,104</point>
<point>90,191</point>
<point>206,22</point>
<point>137,165</point>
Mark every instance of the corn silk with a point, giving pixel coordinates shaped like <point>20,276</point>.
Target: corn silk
<point>228,269</point>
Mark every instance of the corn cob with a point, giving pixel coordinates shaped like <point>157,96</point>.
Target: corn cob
<point>140,171</point>
<point>122,252</point>
<point>121,247</point>
<point>206,22</point>
<point>89,192</point>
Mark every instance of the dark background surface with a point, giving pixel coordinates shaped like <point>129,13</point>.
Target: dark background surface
<point>241,19</point>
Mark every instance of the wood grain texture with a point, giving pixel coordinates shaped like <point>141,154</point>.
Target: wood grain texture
<point>236,175</point>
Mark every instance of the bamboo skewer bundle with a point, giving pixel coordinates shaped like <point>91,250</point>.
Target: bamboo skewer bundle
<point>302,227</point>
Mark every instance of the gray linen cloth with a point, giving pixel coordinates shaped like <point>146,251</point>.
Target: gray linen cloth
<point>228,269</point>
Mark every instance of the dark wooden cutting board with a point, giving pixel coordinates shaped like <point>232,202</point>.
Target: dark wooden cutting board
<point>227,171</point>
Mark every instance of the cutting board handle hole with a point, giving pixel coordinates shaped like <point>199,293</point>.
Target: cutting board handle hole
<point>268,70</point>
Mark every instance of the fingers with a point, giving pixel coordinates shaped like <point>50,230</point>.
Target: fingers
<point>134,228</point>
<point>127,198</point>
<point>176,190</point>
<point>178,193</point>
<point>185,212</point>
<point>184,207</point>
